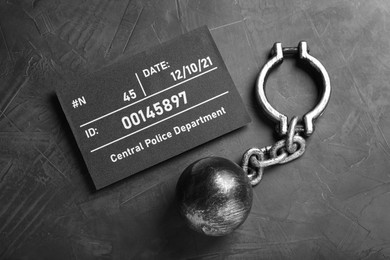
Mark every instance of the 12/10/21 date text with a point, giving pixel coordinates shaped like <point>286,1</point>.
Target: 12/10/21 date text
<point>195,67</point>
<point>157,109</point>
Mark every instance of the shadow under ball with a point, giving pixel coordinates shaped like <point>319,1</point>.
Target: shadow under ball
<point>214,196</point>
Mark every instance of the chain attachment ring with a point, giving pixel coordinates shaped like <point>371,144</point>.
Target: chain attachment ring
<point>290,146</point>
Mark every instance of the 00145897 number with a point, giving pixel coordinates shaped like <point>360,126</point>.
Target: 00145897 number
<point>157,109</point>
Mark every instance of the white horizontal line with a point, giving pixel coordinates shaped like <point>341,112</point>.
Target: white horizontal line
<point>185,110</point>
<point>173,86</point>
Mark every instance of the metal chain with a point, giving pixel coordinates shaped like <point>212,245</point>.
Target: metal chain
<point>255,160</point>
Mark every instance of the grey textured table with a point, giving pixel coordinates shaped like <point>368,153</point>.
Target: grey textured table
<point>333,203</point>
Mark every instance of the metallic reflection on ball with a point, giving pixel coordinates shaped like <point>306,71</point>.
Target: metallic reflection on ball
<point>214,196</point>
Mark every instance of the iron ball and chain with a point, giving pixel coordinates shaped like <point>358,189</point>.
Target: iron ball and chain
<point>215,194</point>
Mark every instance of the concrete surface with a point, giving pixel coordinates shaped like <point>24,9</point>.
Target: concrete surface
<point>333,203</point>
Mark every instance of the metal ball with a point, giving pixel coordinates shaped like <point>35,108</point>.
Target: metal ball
<point>214,196</point>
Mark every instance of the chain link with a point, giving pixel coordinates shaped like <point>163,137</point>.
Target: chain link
<point>280,147</point>
<point>255,160</point>
<point>254,173</point>
<point>290,146</point>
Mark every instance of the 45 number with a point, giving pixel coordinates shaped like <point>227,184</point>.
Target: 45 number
<point>129,95</point>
